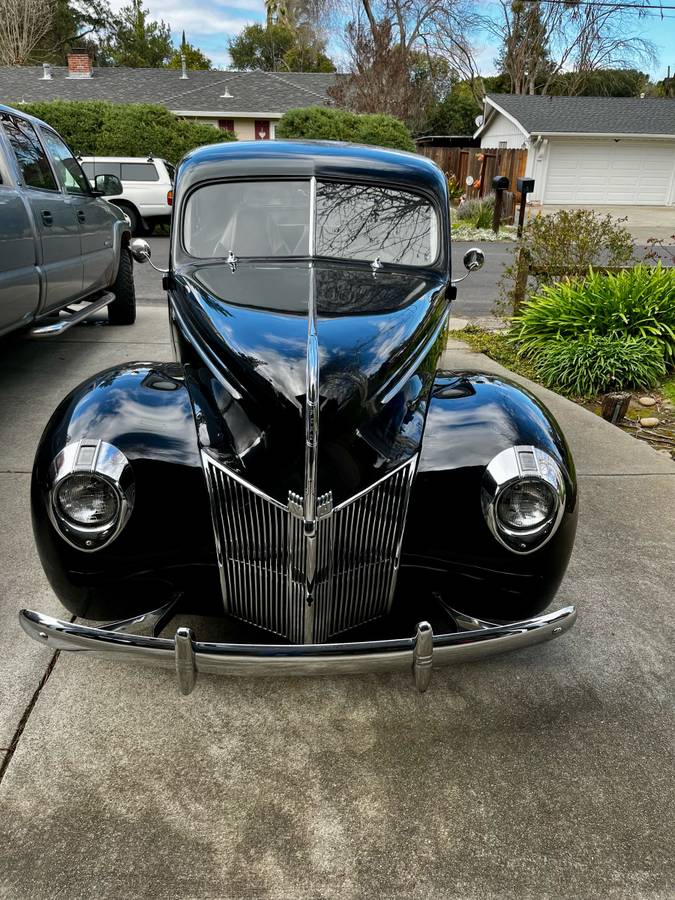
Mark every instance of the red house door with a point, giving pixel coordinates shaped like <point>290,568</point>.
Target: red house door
<point>262,130</point>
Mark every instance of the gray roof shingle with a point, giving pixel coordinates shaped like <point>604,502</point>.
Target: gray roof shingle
<point>590,115</point>
<point>258,92</point>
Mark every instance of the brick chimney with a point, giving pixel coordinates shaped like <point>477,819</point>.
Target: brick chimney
<point>79,64</point>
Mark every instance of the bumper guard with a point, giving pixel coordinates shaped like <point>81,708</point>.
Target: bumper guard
<point>135,640</point>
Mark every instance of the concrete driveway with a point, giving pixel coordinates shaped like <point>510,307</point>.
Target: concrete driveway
<point>542,774</point>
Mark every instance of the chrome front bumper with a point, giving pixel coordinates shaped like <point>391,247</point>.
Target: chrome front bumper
<point>475,639</point>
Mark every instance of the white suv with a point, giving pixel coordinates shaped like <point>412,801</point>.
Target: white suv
<point>146,182</point>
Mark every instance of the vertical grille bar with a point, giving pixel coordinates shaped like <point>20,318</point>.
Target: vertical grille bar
<point>260,551</point>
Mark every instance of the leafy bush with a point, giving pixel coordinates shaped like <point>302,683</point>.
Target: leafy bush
<point>576,238</point>
<point>636,303</point>
<point>98,128</point>
<point>595,363</point>
<point>478,211</point>
<point>319,123</point>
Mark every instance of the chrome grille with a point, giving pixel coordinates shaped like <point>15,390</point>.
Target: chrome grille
<point>261,554</point>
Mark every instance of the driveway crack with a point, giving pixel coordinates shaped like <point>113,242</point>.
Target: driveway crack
<point>4,765</point>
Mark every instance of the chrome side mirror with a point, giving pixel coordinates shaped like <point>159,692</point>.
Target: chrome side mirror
<point>140,250</point>
<point>474,259</point>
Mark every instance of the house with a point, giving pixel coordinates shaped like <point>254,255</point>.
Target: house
<point>588,150</point>
<point>247,103</point>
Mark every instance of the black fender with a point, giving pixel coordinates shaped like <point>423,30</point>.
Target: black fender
<point>144,410</point>
<point>470,419</point>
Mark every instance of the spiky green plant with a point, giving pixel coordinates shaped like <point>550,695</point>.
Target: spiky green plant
<point>636,303</point>
<point>593,364</point>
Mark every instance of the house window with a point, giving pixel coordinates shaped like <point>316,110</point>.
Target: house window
<point>262,130</point>
<point>226,125</point>
<point>502,145</point>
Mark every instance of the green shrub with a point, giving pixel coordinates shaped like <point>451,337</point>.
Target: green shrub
<point>319,123</point>
<point>98,128</point>
<point>478,211</point>
<point>569,238</point>
<point>593,364</point>
<point>636,303</point>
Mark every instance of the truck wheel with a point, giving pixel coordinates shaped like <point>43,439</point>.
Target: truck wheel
<point>122,310</point>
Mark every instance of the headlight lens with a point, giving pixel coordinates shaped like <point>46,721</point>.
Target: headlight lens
<point>87,500</point>
<point>526,505</point>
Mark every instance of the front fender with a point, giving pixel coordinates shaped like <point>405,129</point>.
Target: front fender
<point>471,418</point>
<point>144,410</point>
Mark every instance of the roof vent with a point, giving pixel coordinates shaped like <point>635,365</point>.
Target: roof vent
<point>46,72</point>
<point>227,94</point>
<point>183,65</point>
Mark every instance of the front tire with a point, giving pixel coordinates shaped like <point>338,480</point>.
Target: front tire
<point>122,310</point>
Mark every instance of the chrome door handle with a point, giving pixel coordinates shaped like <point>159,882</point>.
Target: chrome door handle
<point>47,217</point>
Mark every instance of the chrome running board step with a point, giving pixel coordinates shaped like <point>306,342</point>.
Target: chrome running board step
<point>189,657</point>
<point>72,317</point>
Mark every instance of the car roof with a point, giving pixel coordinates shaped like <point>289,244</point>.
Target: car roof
<point>87,157</point>
<point>305,159</point>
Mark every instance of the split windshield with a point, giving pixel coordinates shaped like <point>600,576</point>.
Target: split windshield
<point>272,219</point>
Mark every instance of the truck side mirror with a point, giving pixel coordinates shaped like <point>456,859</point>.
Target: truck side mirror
<point>107,186</point>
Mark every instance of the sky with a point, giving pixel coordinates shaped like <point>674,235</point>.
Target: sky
<point>209,24</point>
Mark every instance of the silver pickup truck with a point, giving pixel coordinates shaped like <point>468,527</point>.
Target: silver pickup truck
<point>62,245</point>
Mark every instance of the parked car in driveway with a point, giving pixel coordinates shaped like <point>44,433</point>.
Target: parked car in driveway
<point>304,469</point>
<point>61,242</point>
<point>146,183</point>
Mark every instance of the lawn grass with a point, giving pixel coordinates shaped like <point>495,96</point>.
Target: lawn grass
<point>495,345</point>
<point>668,389</point>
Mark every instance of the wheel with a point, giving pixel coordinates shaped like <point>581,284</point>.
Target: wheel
<point>122,310</point>
<point>138,228</point>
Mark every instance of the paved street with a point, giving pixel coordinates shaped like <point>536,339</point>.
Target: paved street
<point>542,774</point>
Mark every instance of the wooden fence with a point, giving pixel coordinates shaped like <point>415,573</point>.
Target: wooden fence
<point>483,164</point>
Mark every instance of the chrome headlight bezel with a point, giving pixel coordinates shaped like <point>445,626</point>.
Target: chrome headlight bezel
<point>518,465</point>
<point>102,461</point>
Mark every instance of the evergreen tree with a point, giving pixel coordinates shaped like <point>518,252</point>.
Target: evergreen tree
<point>137,42</point>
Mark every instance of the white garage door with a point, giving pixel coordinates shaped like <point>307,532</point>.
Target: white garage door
<point>610,172</point>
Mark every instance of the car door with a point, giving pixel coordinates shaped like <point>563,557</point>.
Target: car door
<point>19,277</point>
<point>94,216</point>
<point>54,216</point>
<point>143,187</point>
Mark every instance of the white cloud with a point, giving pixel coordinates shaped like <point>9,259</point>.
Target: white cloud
<point>210,18</point>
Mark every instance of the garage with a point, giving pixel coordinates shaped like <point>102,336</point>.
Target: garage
<point>588,151</point>
<point>609,172</point>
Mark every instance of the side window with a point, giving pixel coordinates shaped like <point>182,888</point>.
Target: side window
<point>68,168</point>
<point>32,159</point>
<point>88,169</point>
<point>139,172</point>
<point>171,170</point>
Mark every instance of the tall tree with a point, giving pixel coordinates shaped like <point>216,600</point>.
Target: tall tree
<point>194,58</point>
<point>386,41</point>
<point>136,41</point>
<point>525,56</point>
<point>540,41</point>
<point>76,23</point>
<point>23,24</point>
<point>279,48</point>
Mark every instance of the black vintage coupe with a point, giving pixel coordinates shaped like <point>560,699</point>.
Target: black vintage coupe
<point>304,470</point>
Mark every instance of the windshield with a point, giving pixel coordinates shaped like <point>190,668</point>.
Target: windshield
<point>272,219</point>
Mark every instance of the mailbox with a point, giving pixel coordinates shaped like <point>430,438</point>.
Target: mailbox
<point>500,183</point>
<point>525,185</point>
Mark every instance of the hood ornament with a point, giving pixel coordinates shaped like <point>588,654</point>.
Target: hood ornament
<point>232,261</point>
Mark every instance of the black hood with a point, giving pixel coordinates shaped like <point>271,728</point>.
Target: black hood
<point>378,338</point>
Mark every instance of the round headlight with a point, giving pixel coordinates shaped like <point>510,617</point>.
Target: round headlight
<point>525,505</point>
<point>87,500</point>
